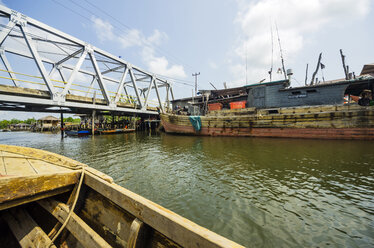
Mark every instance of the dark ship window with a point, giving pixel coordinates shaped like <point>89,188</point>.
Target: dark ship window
<point>311,91</point>
<point>273,111</point>
<point>296,92</point>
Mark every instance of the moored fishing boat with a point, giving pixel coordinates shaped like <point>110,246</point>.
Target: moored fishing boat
<point>116,131</point>
<point>325,110</point>
<point>47,200</point>
<point>78,133</point>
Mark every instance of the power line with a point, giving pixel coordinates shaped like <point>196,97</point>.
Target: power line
<point>67,46</point>
<point>72,10</point>
<point>179,81</point>
<point>129,28</point>
<point>122,24</point>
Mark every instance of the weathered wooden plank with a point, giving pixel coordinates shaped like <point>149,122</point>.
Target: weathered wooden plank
<point>50,159</point>
<point>2,165</point>
<point>12,188</point>
<point>12,155</point>
<point>173,226</point>
<point>109,220</point>
<point>77,227</point>
<point>18,166</point>
<point>25,229</point>
<point>42,155</point>
<point>136,229</point>
<point>24,91</point>
<point>39,196</point>
<point>99,174</point>
<point>70,201</point>
<point>44,167</point>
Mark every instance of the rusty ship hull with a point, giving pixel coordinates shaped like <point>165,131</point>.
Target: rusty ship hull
<point>345,121</point>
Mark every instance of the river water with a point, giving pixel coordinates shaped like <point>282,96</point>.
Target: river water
<point>257,192</point>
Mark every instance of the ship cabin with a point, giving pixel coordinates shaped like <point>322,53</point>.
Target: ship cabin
<point>279,94</point>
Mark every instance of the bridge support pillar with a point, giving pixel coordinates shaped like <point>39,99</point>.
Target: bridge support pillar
<point>93,122</point>
<point>62,125</point>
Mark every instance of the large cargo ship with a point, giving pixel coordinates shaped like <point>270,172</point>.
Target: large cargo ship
<point>339,109</point>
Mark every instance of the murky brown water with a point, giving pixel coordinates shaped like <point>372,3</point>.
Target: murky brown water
<point>257,192</point>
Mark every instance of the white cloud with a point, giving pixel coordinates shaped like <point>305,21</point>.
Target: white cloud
<point>212,65</point>
<point>160,65</point>
<point>136,38</point>
<point>295,19</point>
<point>103,29</point>
<point>133,38</point>
<point>157,37</point>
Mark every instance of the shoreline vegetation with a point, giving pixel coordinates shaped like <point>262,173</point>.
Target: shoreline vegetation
<point>5,123</point>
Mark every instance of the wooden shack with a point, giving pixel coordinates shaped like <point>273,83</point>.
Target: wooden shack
<point>20,127</point>
<point>48,123</point>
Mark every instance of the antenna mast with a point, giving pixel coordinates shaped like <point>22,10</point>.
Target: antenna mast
<point>272,51</point>
<point>315,72</point>
<point>344,66</point>
<point>246,65</point>
<point>281,53</point>
<point>306,74</point>
<point>195,75</point>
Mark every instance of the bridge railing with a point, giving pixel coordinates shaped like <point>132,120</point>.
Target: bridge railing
<point>88,91</point>
<point>40,57</point>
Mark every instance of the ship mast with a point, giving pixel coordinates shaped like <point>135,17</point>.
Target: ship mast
<point>272,51</point>
<point>281,53</point>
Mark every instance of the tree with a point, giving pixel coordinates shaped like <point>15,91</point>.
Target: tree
<point>4,124</point>
<point>30,121</point>
<point>15,121</point>
<point>69,119</point>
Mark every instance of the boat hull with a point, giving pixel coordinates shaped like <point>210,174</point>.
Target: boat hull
<point>40,190</point>
<point>73,133</point>
<point>322,122</point>
<point>117,131</point>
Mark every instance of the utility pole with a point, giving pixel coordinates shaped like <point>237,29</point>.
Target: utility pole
<point>344,66</point>
<point>306,75</point>
<point>195,75</point>
<point>315,72</point>
<point>62,125</point>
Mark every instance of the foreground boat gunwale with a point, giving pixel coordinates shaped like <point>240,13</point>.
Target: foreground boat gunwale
<point>175,227</point>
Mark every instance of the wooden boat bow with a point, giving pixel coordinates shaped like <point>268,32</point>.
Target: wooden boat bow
<point>106,215</point>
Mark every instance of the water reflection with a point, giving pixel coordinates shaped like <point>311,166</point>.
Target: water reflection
<point>258,192</point>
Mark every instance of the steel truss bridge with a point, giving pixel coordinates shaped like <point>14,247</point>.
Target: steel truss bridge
<point>46,70</point>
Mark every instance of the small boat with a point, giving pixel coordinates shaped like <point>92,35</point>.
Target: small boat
<point>117,131</point>
<point>48,200</point>
<point>78,133</point>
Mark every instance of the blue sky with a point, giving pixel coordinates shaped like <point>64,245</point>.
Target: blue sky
<point>216,38</point>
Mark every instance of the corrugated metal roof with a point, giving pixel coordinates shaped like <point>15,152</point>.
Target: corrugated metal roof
<point>367,69</point>
<point>49,118</point>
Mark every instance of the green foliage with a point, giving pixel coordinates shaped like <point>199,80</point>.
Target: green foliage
<point>73,120</point>
<point>30,121</point>
<point>15,121</point>
<point>69,119</point>
<point>4,124</point>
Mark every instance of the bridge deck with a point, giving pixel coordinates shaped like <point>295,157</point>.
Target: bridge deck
<point>39,100</point>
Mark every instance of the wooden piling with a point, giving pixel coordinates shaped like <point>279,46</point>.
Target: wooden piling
<point>62,125</point>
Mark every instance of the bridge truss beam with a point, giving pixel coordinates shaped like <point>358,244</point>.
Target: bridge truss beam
<point>108,76</point>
